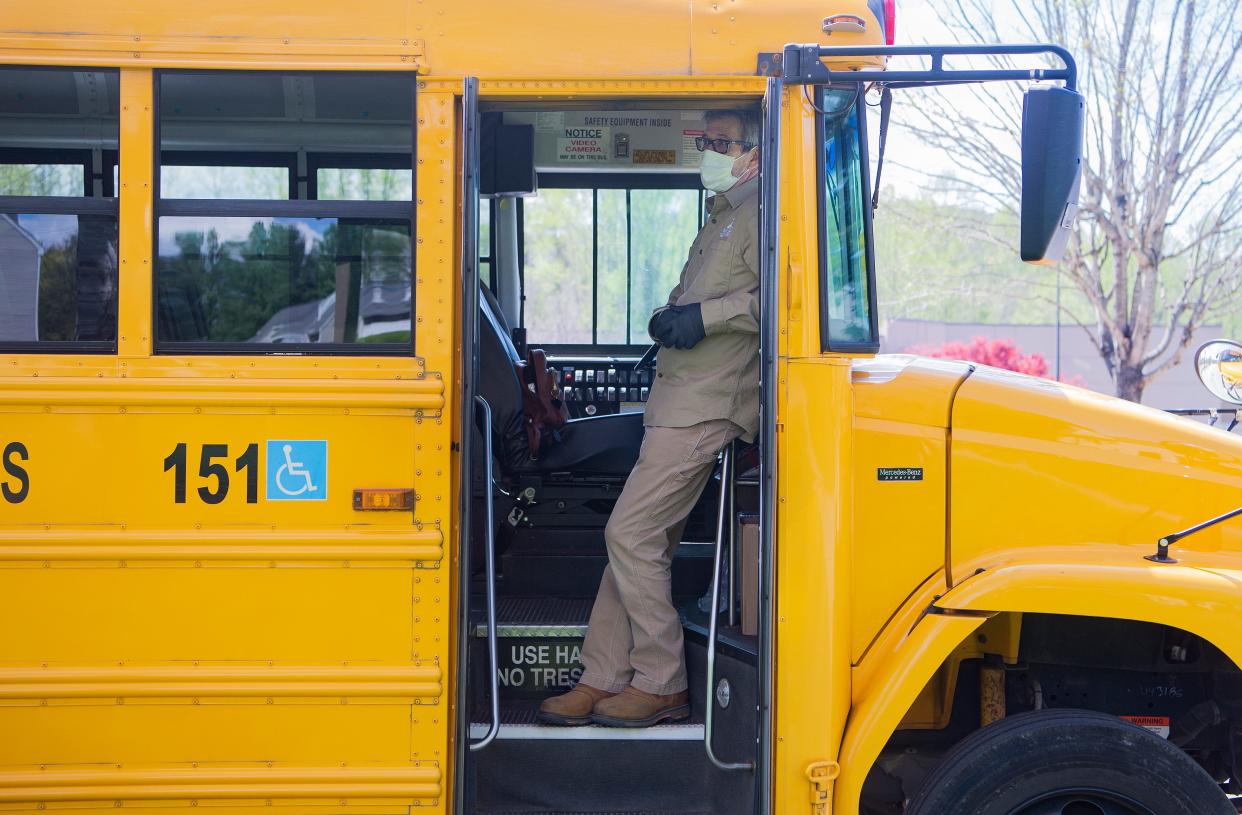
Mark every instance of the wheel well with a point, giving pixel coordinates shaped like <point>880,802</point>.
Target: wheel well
<point>1156,675</point>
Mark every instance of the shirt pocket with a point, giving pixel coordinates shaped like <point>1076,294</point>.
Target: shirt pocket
<point>715,278</point>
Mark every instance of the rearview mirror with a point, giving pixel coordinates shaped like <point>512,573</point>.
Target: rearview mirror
<point>1052,125</point>
<point>1219,365</point>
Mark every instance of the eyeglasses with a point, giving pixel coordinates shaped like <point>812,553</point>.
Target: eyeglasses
<point>719,145</point>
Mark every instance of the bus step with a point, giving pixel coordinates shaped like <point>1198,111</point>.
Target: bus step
<point>603,770</point>
<point>542,617</point>
<point>518,721</point>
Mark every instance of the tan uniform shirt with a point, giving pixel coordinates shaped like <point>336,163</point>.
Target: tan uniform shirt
<point>719,377</point>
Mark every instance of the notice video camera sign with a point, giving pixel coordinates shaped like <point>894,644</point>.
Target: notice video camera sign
<point>579,145</point>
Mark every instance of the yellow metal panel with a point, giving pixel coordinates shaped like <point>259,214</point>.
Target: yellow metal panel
<point>814,523</point>
<point>73,449</point>
<point>147,734</point>
<point>547,39</point>
<point>53,786</point>
<point>258,806</point>
<point>898,525</point>
<point>595,86</point>
<point>363,544</point>
<point>724,31</point>
<point>77,617</point>
<point>198,679</point>
<point>1037,464</point>
<point>907,389</point>
<point>399,397</point>
<point>902,414</point>
<point>136,174</point>
<point>799,251</point>
<point>230,21</point>
<point>233,34</point>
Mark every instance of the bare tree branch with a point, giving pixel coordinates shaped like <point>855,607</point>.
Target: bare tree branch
<point>1158,250</point>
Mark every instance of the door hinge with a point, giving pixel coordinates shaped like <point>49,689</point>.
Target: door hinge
<point>821,774</point>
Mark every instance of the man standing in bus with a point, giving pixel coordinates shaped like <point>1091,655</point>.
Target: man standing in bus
<point>705,394</point>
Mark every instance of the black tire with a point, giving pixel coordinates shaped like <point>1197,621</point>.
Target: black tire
<point>1067,762</point>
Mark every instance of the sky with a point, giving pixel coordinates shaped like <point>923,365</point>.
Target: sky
<point>919,22</point>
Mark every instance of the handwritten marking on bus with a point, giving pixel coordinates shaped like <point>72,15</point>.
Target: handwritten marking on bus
<point>214,474</point>
<point>14,452</point>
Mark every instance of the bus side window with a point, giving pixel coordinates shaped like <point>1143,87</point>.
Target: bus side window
<point>58,213</point>
<point>285,212</point>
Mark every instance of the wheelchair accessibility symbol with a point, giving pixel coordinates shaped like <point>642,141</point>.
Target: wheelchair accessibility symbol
<point>297,470</point>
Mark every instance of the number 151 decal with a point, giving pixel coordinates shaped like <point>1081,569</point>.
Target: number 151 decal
<point>209,468</point>
<point>297,470</point>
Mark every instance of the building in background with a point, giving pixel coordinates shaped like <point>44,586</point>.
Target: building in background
<point>20,256</point>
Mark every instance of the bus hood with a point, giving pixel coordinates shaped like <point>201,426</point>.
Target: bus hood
<point>907,389</point>
<point>1036,463</point>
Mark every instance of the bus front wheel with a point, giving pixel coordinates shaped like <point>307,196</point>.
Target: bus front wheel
<point>1067,762</point>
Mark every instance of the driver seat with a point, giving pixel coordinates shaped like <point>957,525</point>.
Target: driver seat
<point>600,446</point>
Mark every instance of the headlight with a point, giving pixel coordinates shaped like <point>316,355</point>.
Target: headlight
<point>1219,365</point>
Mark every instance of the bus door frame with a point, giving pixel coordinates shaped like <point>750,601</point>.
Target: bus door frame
<point>469,191</point>
<point>769,322</point>
<point>769,277</point>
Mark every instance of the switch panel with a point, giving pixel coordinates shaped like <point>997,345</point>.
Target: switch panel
<point>592,388</point>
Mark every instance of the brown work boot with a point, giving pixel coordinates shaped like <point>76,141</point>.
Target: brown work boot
<point>574,707</point>
<point>635,708</point>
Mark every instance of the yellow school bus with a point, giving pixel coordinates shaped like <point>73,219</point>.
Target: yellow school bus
<point>271,535</point>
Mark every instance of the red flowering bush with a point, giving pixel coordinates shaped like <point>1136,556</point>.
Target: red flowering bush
<point>997,353</point>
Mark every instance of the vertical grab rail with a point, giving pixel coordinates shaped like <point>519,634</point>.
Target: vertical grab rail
<point>732,609</point>
<point>490,569</point>
<point>726,478</point>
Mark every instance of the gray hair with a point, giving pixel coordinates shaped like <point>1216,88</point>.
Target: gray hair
<point>748,120</point>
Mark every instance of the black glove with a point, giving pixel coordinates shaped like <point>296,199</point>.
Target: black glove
<point>679,326</point>
<point>660,324</point>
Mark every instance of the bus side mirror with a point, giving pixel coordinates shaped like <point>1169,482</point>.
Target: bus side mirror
<point>1052,125</point>
<point>1219,365</point>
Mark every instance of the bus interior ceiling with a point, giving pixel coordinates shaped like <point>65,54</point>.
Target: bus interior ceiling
<point>587,213</point>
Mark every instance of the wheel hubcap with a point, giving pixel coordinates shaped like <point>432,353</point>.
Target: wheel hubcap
<point>1082,802</point>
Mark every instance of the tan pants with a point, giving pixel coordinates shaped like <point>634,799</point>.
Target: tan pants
<point>635,634</point>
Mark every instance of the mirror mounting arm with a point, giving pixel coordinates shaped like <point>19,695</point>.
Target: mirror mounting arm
<point>802,64</point>
<point>1162,545</point>
<point>1052,122</point>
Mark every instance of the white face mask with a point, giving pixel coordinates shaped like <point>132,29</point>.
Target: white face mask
<point>716,171</point>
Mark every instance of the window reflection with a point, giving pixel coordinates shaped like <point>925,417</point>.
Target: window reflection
<point>58,223</point>
<point>290,281</point>
<point>58,276</point>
